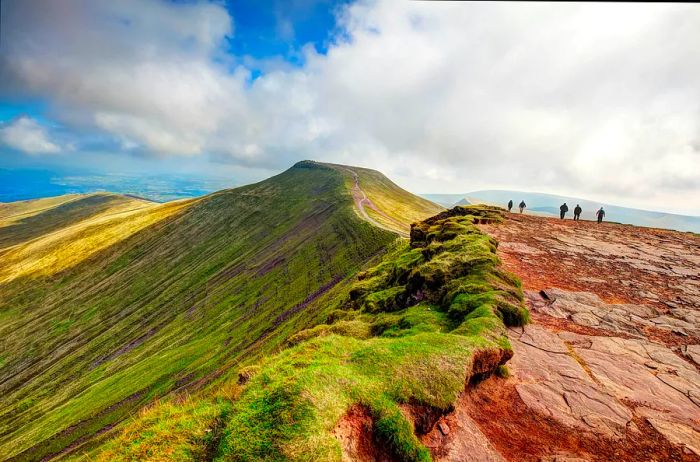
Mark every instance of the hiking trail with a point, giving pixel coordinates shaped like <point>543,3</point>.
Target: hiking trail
<point>361,200</point>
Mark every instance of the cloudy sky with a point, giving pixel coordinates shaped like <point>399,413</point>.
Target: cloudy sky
<point>600,101</point>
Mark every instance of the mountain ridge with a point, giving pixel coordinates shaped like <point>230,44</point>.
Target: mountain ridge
<point>114,328</point>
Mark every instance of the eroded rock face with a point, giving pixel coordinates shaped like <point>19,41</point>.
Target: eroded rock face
<point>598,383</point>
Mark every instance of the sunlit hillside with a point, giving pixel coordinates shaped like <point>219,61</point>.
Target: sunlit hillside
<point>107,302</point>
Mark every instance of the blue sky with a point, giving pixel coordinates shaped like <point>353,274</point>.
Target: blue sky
<point>587,100</point>
<point>266,35</point>
<point>263,32</point>
<point>271,29</point>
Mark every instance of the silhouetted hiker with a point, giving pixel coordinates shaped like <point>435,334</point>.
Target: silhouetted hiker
<point>577,212</point>
<point>522,206</point>
<point>600,214</point>
<point>562,210</point>
<point>510,204</point>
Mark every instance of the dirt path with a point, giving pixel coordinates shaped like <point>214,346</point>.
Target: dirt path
<point>362,201</point>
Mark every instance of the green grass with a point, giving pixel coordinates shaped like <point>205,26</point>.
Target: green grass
<point>26,220</point>
<point>185,430</point>
<point>398,208</point>
<point>133,314</point>
<point>417,350</point>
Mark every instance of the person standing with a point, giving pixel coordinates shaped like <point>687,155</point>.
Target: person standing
<point>600,214</point>
<point>510,205</point>
<point>577,212</point>
<point>522,206</point>
<point>562,210</point>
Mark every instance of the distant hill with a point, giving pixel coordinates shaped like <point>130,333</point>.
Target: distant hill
<point>446,200</point>
<point>548,204</point>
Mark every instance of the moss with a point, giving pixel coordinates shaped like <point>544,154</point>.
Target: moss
<point>393,429</point>
<point>451,262</point>
<point>391,299</point>
<point>502,372</point>
<point>350,328</point>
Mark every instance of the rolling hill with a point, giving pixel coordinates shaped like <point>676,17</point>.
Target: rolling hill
<point>108,302</point>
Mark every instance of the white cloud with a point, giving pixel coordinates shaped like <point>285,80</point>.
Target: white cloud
<point>597,100</point>
<point>27,135</point>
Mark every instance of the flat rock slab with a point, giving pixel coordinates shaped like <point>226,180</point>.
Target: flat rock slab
<point>598,383</point>
<point>692,352</point>
<point>587,309</point>
<point>664,387</point>
<point>552,382</point>
<point>678,434</point>
<point>621,264</point>
<point>618,340</point>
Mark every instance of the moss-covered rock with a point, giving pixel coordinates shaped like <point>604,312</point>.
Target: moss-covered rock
<point>451,262</point>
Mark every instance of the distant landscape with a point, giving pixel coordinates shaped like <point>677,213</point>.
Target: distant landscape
<point>548,205</point>
<point>24,184</point>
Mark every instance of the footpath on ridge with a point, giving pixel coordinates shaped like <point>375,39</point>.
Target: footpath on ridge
<point>362,201</point>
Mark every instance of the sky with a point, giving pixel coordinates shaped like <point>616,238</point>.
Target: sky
<point>597,100</point>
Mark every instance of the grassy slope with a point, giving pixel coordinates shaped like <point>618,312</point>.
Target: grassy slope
<point>411,330</point>
<point>62,237</point>
<point>193,289</point>
<point>25,220</point>
<point>398,208</point>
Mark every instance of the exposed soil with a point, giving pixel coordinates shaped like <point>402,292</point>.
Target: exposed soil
<point>355,433</point>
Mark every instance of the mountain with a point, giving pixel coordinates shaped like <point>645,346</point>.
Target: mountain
<point>326,314</point>
<point>548,205</point>
<point>446,200</point>
<point>409,363</point>
<point>391,358</point>
<point>108,302</point>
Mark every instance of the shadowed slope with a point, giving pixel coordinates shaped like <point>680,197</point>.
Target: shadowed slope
<point>173,304</point>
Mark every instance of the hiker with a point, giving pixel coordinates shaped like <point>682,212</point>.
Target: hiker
<point>510,205</point>
<point>562,210</point>
<point>577,213</point>
<point>600,214</point>
<point>522,206</point>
